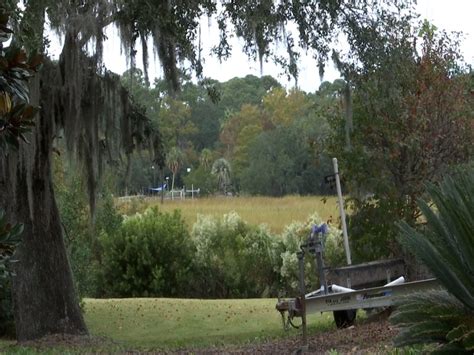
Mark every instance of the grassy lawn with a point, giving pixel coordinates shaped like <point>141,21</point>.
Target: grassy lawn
<point>276,213</point>
<point>147,324</point>
<point>151,323</point>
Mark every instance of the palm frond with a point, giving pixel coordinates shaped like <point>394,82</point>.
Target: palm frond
<point>446,245</point>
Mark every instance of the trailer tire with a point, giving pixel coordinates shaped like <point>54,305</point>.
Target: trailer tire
<point>345,318</point>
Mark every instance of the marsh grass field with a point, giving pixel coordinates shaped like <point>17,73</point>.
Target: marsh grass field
<point>276,213</point>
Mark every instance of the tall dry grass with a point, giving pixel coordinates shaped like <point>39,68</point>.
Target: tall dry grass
<point>276,213</point>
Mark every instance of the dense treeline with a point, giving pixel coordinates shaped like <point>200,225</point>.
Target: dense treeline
<point>254,125</point>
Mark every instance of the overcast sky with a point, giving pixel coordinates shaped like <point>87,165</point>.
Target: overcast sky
<point>452,15</point>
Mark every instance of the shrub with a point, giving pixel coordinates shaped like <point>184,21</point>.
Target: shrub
<point>234,259</point>
<point>151,255</point>
<point>292,237</point>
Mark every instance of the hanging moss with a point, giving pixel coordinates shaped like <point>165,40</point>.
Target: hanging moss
<point>100,122</point>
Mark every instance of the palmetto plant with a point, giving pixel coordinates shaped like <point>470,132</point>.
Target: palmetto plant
<point>446,245</point>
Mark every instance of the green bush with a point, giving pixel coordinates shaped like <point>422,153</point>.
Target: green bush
<point>79,236</point>
<point>369,240</point>
<point>151,255</point>
<point>292,237</point>
<point>234,259</point>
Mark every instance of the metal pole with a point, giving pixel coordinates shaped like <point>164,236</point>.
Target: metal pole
<point>341,211</point>
<point>320,264</point>
<point>300,256</point>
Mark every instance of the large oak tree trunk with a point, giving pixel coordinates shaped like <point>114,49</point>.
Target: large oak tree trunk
<point>43,290</point>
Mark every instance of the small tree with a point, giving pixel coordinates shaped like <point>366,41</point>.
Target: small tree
<point>221,169</point>
<point>411,123</point>
<point>174,160</point>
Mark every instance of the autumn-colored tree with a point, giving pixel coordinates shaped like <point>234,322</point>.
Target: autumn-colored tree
<point>411,125</point>
<point>248,115</point>
<point>282,107</point>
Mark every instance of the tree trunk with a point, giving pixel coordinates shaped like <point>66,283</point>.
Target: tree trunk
<point>43,290</point>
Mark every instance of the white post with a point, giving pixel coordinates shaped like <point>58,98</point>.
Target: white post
<point>341,211</point>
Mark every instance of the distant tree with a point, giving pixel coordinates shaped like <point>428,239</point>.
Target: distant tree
<point>221,169</point>
<point>231,128</point>
<point>248,90</point>
<point>280,163</point>
<point>282,108</point>
<point>206,114</point>
<point>174,120</point>
<point>174,160</point>
<point>205,158</point>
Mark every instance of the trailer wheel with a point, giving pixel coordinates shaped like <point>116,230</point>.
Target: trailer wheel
<point>345,318</point>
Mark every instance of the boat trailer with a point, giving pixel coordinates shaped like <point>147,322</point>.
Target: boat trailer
<point>344,301</point>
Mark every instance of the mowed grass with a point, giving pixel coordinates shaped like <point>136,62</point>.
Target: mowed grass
<point>276,213</point>
<point>162,323</point>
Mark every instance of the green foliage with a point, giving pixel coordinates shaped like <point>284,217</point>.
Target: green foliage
<point>446,245</point>
<point>281,163</point>
<point>75,216</point>
<point>174,161</point>
<point>171,325</point>
<point>373,241</point>
<point>150,255</point>
<point>248,90</point>
<point>81,234</point>
<point>223,173</point>
<point>293,236</point>
<point>410,125</point>
<point>235,259</point>
<point>203,179</point>
<point>16,120</point>
<point>16,115</point>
